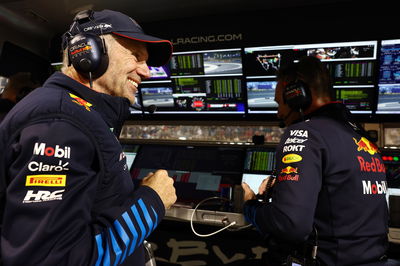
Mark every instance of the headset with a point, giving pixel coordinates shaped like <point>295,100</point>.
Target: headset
<point>297,95</point>
<point>87,52</point>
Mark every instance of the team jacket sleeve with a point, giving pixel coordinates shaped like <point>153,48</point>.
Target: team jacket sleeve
<point>290,215</point>
<point>54,171</point>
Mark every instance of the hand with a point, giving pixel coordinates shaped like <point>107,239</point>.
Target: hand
<point>161,183</point>
<point>263,187</point>
<point>248,193</point>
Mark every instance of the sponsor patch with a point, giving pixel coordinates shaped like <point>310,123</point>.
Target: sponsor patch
<point>288,173</point>
<point>295,140</point>
<point>288,178</point>
<point>365,145</point>
<point>80,101</point>
<point>42,196</point>
<point>102,26</point>
<point>57,151</point>
<point>34,166</point>
<point>46,180</point>
<point>378,187</point>
<point>291,158</point>
<point>79,50</point>
<point>299,133</point>
<point>292,148</point>
<point>374,165</point>
<point>289,170</point>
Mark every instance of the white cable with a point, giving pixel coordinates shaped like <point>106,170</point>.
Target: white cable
<point>216,232</point>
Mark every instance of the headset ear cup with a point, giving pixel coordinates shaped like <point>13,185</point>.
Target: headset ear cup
<point>297,95</point>
<point>87,55</point>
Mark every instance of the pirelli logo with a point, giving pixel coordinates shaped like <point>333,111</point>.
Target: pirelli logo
<point>46,180</point>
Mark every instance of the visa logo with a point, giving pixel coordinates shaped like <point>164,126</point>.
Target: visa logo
<point>299,133</point>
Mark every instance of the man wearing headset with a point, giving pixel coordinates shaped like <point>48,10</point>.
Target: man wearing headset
<point>66,194</point>
<point>328,202</point>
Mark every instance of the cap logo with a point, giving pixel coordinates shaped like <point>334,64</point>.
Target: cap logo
<point>102,26</point>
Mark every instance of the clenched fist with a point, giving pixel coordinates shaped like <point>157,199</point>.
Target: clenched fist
<point>161,183</point>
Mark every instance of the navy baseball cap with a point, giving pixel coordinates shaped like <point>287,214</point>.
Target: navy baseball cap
<point>109,21</point>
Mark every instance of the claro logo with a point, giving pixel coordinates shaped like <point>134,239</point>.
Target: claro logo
<point>377,187</point>
<point>42,167</point>
<point>57,151</point>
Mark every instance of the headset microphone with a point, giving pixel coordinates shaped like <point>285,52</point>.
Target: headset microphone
<point>282,120</point>
<point>138,105</point>
<point>150,109</point>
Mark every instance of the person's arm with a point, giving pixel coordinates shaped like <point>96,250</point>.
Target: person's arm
<point>49,218</point>
<point>290,215</point>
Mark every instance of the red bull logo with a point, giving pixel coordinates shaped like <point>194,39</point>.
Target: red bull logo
<point>282,178</point>
<point>365,145</point>
<point>289,173</point>
<point>80,101</point>
<point>80,50</point>
<point>374,165</point>
<point>289,170</point>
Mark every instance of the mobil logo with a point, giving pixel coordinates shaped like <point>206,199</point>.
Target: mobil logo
<point>378,187</point>
<point>57,151</point>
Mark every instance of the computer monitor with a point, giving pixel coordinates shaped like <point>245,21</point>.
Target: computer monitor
<point>358,99</point>
<point>201,83</point>
<point>389,78</point>
<point>261,96</point>
<point>208,62</point>
<point>351,65</point>
<point>161,72</point>
<point>130,152</point>
<point>259,160</point>
<point>254,180</point>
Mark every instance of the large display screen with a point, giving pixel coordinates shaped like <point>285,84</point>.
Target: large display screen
<point>243,81</point>
<point>351,65</point>
<point>389,78</point>
<point>199,82</point>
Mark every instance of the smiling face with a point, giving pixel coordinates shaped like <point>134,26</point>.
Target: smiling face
<point>126,70</point>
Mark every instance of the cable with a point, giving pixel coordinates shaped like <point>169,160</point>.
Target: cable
<point>90,80</point>
<point>210,234</point>
<point>239,228</point>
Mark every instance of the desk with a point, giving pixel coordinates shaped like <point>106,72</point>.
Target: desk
<point>394,235</point>
<point>205,216</point>
<point>216,218</point>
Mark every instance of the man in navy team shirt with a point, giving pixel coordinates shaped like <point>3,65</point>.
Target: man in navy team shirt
<point>330,181</point>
